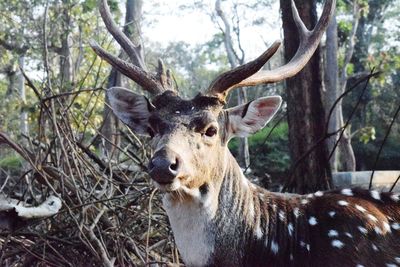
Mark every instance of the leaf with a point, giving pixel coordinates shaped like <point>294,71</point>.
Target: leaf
<point>89,5</point>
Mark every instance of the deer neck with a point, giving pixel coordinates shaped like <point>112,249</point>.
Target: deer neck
<point>200,219</point>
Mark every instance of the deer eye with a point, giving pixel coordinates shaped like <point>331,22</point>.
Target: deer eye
<point>211,131</point>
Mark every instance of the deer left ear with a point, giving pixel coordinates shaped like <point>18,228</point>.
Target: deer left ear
<point>249,118</point>
<point>132,109</point>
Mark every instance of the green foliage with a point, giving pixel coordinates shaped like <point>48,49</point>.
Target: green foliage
<point>366,154</point>
<point>271,155</point>
<point>12,163</point>
<point>350,69</point>
<point>25,28</point>
<point>89,5</point>
<point>367,134</point>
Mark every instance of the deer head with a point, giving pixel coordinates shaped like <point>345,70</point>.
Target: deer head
<point>190,137</point>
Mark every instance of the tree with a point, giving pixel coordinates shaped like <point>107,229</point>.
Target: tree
<point>235,59</point>
<point>132,30</point>
<point>306,117</point>
<point>336,83</point>
<point>376,48</point>
<point>331,89</point>
<point>17,42</point>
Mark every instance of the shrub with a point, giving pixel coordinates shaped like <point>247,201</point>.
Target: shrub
<point>12,163</point>
<point>267,155</point>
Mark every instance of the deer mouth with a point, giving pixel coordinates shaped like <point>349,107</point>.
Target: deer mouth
<point>168,186</point>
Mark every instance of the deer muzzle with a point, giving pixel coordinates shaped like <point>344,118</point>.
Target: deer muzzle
<point>165,166</point>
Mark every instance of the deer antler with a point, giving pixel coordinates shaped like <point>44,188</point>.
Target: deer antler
<point>154,84</point>
<point>246,75</point>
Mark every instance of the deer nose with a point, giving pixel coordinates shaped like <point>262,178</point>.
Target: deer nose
<point>164,166</point>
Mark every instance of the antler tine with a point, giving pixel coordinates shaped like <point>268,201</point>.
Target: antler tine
<point>309,41</point>
<point>221,86</point>
<point>134,52</point>
<point>141,77</point>
<point>136,71</point>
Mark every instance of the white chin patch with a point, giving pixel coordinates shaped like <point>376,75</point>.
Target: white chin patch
<point>175,185</point>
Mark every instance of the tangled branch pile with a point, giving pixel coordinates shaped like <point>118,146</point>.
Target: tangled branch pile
<point>110,214</point>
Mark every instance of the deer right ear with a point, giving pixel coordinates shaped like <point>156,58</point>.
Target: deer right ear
<point>251,117</point>
<point>132,109</point>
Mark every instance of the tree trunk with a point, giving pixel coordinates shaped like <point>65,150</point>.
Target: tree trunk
<point>306,116</point>
<point>65,51</point>
<point>24,128</point>
<point>243,151</point>
<point>331,88</point>
<point>132,31</point>
<point>346,153</point>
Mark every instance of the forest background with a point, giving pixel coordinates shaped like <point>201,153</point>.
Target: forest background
<point>58,136</point>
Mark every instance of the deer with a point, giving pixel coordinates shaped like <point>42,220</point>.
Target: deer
<point>218,217</point>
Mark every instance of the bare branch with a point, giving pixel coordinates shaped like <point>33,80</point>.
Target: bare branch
<point>350,46</point>
<point>134,52</point>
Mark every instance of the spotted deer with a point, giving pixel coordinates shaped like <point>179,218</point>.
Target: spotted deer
<point>218,217</point>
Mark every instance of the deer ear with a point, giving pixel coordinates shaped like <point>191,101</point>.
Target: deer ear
<point>132,109</point>
<point>249,118</point>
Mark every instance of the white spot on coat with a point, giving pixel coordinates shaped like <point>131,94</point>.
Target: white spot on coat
<point>282,215</point>
<point>303,244</point>
<point>386,226</point>
<point>332,214</point>
<point>362,209</point>
<point>290,229</point>
<point>362,229</point>
<point>359,265</point>
<point>304,201</point>
<point>274,247</point>
<point>259,232</point>
<point>395,197</point>
<point>347,192</point>
<point>372,217</point>
<point>337,243</point>
<point>312,221</point>
<point>343,203</point>
<point>375,194</point>
<point>374,247</point>
<point>378,230</point>
<point>332,233</point>
<point>396,226</point>
<point>296,212</point>
<point>391,265</point>
<point>319,194</point>
<point>397,259</point>
<point>348,235</point>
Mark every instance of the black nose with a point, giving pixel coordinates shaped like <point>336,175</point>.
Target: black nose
<point>164,166</point>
